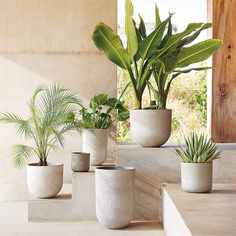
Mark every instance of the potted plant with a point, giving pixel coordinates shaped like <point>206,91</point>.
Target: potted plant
<point>196,163</point>
<point>46,125</point>
<point>96,119</point>
<point>164,55</point>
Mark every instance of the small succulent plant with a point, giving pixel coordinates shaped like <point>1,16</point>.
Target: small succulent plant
<point>199,149</point>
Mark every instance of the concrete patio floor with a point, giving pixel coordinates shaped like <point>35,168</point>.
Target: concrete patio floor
<point>14,222</point>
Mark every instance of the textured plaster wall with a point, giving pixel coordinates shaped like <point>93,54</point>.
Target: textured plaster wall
<point>47,41</point>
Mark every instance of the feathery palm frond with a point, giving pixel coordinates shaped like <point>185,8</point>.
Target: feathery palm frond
<point>21,154</point>
<point>23,126</point>
<point>49,108</point>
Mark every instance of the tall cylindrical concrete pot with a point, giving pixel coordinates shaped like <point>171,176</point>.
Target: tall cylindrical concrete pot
<point>151,128</point>
<point>196,177</point>
<point>44,181</point>
<point>95,142</point>
<point>80,161</point>
<point>114,196</point>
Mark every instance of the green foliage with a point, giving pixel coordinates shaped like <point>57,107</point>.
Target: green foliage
<point>160,53</point>
<point>48,122</point>
<point>123,134</point>
<point>187,99</point>
<point>101,112</point>
<point>199,149</point>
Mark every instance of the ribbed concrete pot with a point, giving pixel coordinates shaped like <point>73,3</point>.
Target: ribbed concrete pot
<point>80,161</point>
<point>44,181</point>
<point>114,196</point>
<point>196,177</point>
<point>151,128</point>
<point>95,143</point>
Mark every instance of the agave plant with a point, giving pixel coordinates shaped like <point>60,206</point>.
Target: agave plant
<point>199,149</point>
<point>48,122</point>
<point>160,53</point>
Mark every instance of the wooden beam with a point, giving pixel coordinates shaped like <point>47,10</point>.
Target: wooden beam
<point>223,118</point>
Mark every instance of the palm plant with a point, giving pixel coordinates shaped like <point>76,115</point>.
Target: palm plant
<point>160,53</point>
<point>199,149</point>
<point>48,122</point>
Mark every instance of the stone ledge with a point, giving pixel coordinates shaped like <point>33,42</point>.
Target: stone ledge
<point>191,214</point>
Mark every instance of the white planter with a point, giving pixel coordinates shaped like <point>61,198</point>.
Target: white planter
<point>196,177</point>
<point>114,196</point>
<point>95,143</point>
<point>150,128</point>
<point>44,181</point>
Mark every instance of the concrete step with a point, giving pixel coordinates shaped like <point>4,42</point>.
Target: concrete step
<point>155,166</point>
<point>75,202</point>
<point>191,214</point>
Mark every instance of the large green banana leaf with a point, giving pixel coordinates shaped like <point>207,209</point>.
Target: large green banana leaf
<point>142,28</point>
<point>175,39</point>
<point>198,52</point>
<point>110,43</point>
<point>149,44</point>
<point>158,19</point>
<point>191,38</point>
<point>130,30</point>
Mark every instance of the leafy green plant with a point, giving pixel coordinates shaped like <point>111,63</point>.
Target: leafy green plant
<point>101,112</point>
<point>199,149</point>
<point>48,122</point>
<point>160,53</point>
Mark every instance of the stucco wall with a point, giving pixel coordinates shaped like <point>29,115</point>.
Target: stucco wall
<point>47,41</point>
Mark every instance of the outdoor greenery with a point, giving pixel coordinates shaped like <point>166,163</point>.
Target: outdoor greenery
<point>199,149</point>
<point>162,54</point>
<point>101,113</point>
<point>48,122</point>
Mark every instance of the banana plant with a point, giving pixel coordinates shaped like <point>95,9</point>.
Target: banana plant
<point>161,53</point>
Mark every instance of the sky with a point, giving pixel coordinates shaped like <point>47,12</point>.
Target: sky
<point>186,11</point>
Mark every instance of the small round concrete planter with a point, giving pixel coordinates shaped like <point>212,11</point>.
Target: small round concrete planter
<point>80,161</point>
<point>196,177</point>
<point>114,196</point>
<point>151,128</point>
<point>44,181</point>
<point>95,142</point>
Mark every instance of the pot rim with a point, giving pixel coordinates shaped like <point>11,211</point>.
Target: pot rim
<point>166,109</point>
<point>49,165</point>
<point>196,163</point>
<point>85,153</point>
<point>96,129</point>
<point>115,168</point>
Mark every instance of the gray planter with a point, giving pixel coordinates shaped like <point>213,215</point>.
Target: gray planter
<point>80,161</point>
<point>196,177</point>
<point>114,196</point>
<point>150,128</point>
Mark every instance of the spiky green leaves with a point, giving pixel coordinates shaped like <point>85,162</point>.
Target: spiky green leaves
<point>199,149</point>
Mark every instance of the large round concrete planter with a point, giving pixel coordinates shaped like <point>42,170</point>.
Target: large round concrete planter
<point>95,143</point>
<point>44,181</point>
<point>150,128</point>
<point>196,177</point>
<point>114,196</point>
